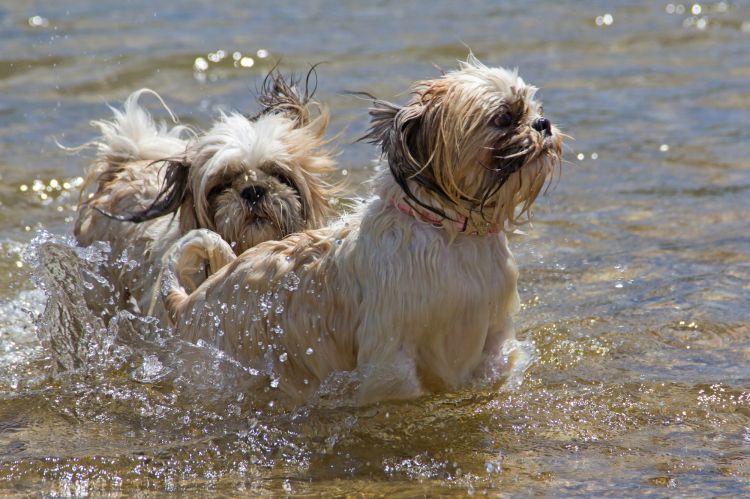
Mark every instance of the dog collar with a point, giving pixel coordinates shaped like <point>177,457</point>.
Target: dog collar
<point>462,223</point>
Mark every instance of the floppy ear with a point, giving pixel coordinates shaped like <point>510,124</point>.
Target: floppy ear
<point>173,193</point>
<point>382,125</point>
<point>188,217</point>
<point>406,145</point>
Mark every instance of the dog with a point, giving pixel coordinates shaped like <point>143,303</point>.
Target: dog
<point>249,178</point>
<point>414,292</point>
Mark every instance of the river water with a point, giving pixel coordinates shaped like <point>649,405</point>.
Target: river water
<point>635,276</point>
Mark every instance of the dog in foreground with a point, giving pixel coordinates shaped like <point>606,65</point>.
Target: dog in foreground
<point>249,179</point>
<point>415,291</point>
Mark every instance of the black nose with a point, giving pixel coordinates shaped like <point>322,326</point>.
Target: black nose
<point>542,125</point>
<point>253,194</point>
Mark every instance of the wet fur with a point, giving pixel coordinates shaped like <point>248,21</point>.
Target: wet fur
<point>154,184</point>
<point>406,307</point>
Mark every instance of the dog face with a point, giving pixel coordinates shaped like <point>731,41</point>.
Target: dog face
<point>472,143</point>
<point>251,205</point>
<point>253,179</point>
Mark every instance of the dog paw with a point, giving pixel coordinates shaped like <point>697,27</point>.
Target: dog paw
<point>193,258</point>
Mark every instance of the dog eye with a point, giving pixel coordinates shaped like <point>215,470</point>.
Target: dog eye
<point>502,120</point>
<point>288,182</point>
<point>215,191</point>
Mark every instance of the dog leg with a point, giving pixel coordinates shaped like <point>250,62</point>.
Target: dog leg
<point>392,378</point>
<point>194,257</point>
<point>498,355</point>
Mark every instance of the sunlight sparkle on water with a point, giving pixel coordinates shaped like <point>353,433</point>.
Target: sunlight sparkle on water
<point>700,23</point>
<point>217,56</point>
<point>675,8</point>
<point>38,22</point>
<point>200,64</point>
<point>604,20</point>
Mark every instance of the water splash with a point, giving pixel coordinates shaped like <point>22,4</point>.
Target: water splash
<point>151,370</point>
<point>84,331</point>
<point>130,373</point>
<point>67,328</point>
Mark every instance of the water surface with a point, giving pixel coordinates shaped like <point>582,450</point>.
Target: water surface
<point>635,276</point>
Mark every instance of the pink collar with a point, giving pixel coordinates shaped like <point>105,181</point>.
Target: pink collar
<point>462,223</point>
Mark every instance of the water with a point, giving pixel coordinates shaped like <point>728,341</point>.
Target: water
<point>634,277</point>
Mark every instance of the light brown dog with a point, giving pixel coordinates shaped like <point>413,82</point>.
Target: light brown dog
<point>249,179</point>
<point>414,292</point>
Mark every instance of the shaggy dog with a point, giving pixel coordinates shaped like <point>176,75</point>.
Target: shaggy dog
<point>249,179</point>
<point>414,292</point>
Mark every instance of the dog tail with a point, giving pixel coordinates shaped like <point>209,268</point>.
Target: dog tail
<point>194,257</point>
<point>132,134</point>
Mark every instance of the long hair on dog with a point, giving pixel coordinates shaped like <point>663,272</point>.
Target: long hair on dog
<point>415,291</point>
<point>248,178</point>
<point>252,179</point>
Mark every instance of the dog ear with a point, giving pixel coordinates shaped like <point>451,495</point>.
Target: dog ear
<point>382,125</point>
<point>188,216</point>
<point>172,195</point>
<point>399,132</point>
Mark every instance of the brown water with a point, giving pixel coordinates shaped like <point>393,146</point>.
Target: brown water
<point>635,276</point>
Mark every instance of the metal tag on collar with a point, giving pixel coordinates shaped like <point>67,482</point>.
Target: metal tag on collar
<point>482,228</point>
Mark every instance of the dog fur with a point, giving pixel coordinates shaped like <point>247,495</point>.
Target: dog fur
<point>249,179</point>
<point>413,293</point>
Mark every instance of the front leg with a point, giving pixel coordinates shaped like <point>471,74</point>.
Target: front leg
<point>391,376</point>
<point>190,261</point>
<point>499,355</point>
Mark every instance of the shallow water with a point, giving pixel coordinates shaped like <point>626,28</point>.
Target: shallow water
<point>635,277</point>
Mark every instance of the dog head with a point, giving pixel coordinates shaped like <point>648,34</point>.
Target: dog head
<point>253,179</point>
<point>472,143</point>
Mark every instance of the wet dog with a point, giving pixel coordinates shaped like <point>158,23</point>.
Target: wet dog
<point>413,293</point>
<point>249,179</point>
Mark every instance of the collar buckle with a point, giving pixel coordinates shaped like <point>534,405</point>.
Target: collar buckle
<point>481,228</point>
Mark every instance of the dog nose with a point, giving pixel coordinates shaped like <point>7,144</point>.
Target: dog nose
<point>542,125</point>
<point>253,194</point>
